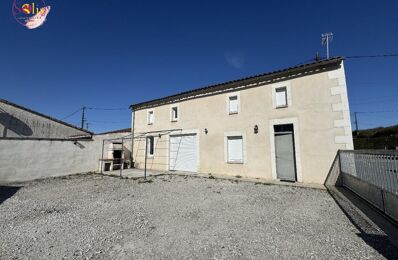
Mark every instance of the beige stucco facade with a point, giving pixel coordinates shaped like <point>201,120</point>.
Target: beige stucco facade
<point>317,107</point>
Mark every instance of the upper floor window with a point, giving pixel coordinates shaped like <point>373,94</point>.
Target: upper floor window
<point>233,104</point>
<point>151,117</point>
<point>281,97</point>
<point>174,114</point>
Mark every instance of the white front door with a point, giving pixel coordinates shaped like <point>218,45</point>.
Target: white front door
<point>183,153</point>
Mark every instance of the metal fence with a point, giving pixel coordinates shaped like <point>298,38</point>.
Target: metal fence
<point>372,175</point>
<point>376,167</point>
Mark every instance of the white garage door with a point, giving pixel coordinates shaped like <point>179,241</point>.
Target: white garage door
<point>183,153</point>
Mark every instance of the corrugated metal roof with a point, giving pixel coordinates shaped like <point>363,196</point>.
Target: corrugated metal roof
<point>238,82</point>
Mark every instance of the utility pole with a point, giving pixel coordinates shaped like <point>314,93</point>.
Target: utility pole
<point>356,123</point>
<point>326,38</point>
<point>83,119</point>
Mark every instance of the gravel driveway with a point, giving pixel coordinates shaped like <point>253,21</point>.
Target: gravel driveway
<point>174,217</point>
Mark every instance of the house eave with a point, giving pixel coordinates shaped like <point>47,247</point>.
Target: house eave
<point>249,82</point>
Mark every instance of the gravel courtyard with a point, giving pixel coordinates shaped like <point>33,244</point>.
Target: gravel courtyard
<point>174,217</point>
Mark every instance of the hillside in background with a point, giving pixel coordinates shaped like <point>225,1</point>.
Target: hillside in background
<point>385,138</point>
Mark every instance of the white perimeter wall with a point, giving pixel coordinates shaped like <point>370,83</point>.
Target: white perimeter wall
<point>24,160</point>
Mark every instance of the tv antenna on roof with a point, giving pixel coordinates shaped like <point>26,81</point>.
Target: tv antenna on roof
<point>326,38</point>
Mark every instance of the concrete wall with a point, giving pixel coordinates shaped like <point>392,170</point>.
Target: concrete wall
<point>318,109</point>
<point>334,176</point>
<point>24,160</point>
<point>385,201</point>
<point>17,122</point>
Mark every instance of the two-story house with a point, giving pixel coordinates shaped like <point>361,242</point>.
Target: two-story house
<point>286,124</point>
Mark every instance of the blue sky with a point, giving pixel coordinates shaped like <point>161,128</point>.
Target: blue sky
<point>112,53</point>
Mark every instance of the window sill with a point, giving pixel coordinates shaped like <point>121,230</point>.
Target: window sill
<point>235,162</point>
<point>281,106</point>
<point>174,120</point>
<point>150,123</point>
<point>150,156</point>
<point>233,113</point>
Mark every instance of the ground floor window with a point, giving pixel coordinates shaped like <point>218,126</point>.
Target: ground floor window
<point>151,145</point>
<point>235,149</point>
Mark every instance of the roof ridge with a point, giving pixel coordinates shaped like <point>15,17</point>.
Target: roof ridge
<point>116,131</point>
<point>45,116</point>
<point>320,62</point>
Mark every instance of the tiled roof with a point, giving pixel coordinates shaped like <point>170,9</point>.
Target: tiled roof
<point>239,82</point>
<point>125,130</point>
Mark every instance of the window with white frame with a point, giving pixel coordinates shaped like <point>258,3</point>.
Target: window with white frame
<point>174,114</point>
<point>151,117</point>
<point>235,149</point>
<point>233,104</point>
<point>281,97</point>
<point>151,145</point>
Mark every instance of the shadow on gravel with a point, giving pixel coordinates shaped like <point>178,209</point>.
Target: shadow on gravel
<point>7,192</point>
<point>384,239</point>
<point>375,238</point>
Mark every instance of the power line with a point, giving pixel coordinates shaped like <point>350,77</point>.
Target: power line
<point>84,117</point>
<point>72,114</point>
<point>324,39</point>
<point>74,123</point>
<point>372,56</point>
<point>101,108</point>
<point>374,112</point>
<point>375,101</point>
<point>328,38</point>
<point>356,121</point>
<point>107,122</point>
<point>374,83</point>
